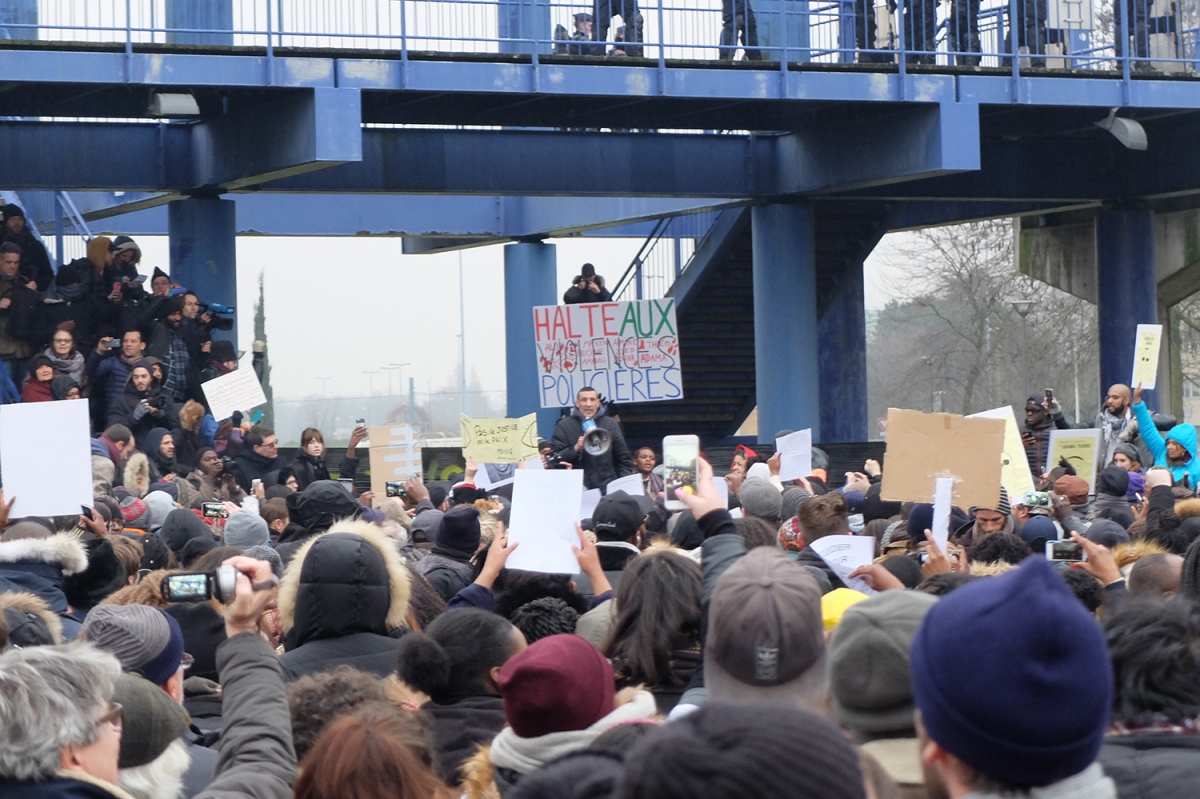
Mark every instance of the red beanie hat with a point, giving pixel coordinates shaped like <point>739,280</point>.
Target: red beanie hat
<point>560,683</point>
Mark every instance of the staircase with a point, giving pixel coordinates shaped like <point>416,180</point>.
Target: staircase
<point>715,311</point>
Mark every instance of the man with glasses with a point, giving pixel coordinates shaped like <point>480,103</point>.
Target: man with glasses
<point>258,459</point>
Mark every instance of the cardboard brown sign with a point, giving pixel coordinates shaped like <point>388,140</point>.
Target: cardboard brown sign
<point>922,447</point>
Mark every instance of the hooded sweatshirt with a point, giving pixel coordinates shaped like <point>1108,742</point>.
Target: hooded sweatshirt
<point>1184,434</point>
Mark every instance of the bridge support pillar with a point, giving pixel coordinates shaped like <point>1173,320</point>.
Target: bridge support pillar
<point>785,320</point>
<point>203,245</point>
<point>210,19</point>
<point>19,19</point>
<point>1126,290</point>
<point>842,338</point>
<point>530,278</point>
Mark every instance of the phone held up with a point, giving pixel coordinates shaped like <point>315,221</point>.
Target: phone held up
<point>681,460</point>
<point>1065,552</point>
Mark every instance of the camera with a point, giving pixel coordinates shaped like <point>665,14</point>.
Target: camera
<point>219,584</point>
<point>158,402</point>
<point>214,510</point>
<point>1065,552</point>
<point>555,462</point>
<point>113,344</point>
<point>1036,499</point>
<point>218,321</point>
<point>395,488</point>
<point>226,463</point>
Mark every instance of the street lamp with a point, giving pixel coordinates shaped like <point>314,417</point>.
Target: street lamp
<point>400,377</point>
<point>371,380</point>
<point>1023,309</point>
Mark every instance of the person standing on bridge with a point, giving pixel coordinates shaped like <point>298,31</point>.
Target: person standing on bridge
<point>738,17</point>
<point>598,469</point>
<point>628,10</point>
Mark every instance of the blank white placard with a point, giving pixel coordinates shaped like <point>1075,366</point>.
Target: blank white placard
<point>45,454</point>
<point>545,510</point>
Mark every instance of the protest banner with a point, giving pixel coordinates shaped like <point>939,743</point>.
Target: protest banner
<point>1081,448</point>
<point>499,440</point>
<point>922,447</point>
<point>627,351</point>
<point>395,454</point>
<point>545,509</point>
<point>1014,466</point>
<point>238,390</point>
<point>1145,356</point>
<point>45,450</point>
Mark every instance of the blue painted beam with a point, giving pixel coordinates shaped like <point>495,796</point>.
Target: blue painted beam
<point>203,250</point>
<point>530,278</point>
<point>1126,290</point>
<point>503,76</point>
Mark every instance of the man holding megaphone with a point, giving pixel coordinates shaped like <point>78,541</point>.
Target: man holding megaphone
<point>589,440</point>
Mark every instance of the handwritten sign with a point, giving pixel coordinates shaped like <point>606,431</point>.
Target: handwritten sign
<point>500,440</point>
<point>238,390</point>
<point>627,351</point>
<point>845,553</point>
<point>1081,448</point>
<point>1145,356</point>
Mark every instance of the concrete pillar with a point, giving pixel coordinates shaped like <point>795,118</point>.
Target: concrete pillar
<point>1126,290</point>
<point>785,320</point>
<point>19,19</point>
<point>211,17</point>
<point>842,342</point>
<point>203,243</point>
<point>530,278</point>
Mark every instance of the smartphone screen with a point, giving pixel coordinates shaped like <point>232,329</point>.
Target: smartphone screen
<point>1067,551</point>
<point>681,456</point>
<point>187,587</point>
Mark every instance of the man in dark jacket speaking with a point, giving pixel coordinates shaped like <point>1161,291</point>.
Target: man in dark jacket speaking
<point>598,470</point>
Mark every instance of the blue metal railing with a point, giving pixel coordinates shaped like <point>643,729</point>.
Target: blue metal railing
<point>1128,36</point>
<point>663,256</point>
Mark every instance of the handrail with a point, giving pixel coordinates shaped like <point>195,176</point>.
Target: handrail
<point>633,271</point>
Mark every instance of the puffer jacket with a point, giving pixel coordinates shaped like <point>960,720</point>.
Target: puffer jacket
<point>1153,765</point>
<point>38,566</point>
<point>1187,473</point>
<point>344,599</point>
<point>447,574</point>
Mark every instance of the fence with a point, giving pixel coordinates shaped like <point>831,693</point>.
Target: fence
<point>663,256</point>
<point>1123,35</point>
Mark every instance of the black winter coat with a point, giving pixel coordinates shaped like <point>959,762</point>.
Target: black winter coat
<point>1153,765</point>
<point>121,411</point>
<point>447,575</point>
<point>309,469</point>
<point>249,466</point>
<point>598,470</point>
<point>460,725</point>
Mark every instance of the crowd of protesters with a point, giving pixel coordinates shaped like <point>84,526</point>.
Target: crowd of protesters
<point>351,645</point>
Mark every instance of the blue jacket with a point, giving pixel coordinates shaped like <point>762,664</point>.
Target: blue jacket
<point>37,566</point>
<point>1183,434</point>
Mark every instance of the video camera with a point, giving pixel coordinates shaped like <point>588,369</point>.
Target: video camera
<point>220,315</point>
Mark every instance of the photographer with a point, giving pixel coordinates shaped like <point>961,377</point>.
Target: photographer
<point>143,405</point>
<point>212,481</point>
<point>110,365</point>
<point>169,344</point>
<point>587,287</point>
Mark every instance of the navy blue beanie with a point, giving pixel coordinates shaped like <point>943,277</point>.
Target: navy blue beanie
<point>1036,527</point>
<point>1013,677</point>
<point>920,519</point>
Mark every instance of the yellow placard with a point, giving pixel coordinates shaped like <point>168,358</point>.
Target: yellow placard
<point>1080,448</point>
<point>1145,356</point>
<point>1014,466</point>
<point>500,440</point>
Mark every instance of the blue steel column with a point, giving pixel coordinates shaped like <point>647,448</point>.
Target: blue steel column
<point>842,339</point>
<point>530,278</point>
<point>785,320</point>
<point>524,19</point>
<point>203,243</point>
<point>1127,293</point>
<point>19,19</point>
<point>214,17</point>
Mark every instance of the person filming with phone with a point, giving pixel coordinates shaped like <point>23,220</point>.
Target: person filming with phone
<point>586,287</point>
<point>1042,414</point>
<point>579,440</point>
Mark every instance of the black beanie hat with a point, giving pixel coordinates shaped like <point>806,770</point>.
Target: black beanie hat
<point>738,745</point>
<point>180,527</point>
<point>104,575</point>
<point>11,210</point>
<point>1113,480</point>
<point>459,529</point>
<point>203,631</point>
<point>222,351</point>
<point>155,554</point>
<point>159,273</point>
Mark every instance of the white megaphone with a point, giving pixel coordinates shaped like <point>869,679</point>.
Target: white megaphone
<point>596,440</point>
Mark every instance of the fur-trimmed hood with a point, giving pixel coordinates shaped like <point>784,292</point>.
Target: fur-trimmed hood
<point>136,476</point>
<point>29,604</point>
<point>62,550</point>
<point>1187,507</point>
<point>354,582</point>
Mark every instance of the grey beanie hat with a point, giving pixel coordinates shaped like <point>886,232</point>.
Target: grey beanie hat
<point>869,661</point>
<point>144,639</point>
<point>246,529</point>
<point>160,504</point>
<point>761,498</point>
<point>264,552</point>
<point>790,501</point>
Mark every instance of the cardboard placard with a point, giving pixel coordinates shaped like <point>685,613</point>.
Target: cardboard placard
<point>1081,448</point>
<point>1145,356</point>
<point>922,447</point>
<point>500,440</point>
<point>1014,466</point>
<point>45,449</point>
<point>395,454</point>
<point>238,390</point>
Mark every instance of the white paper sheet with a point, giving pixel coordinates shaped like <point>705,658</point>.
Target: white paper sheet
<point>795,455</point>
<point>545,509</point>
<point>943,493</point>
<point>237,391</point>
<point>631,484</point>
<point>46,457</point>
<point>1145,356</point>
<point>722,487</point>
<point>844,554</point>
<point>588,503</point>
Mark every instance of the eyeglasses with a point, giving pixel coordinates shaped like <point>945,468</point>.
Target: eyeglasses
<point>115,716</point>
<point>187,661</point>
<point>270,444</point>
<point>63,340</point>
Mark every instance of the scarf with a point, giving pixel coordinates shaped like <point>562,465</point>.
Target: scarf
<point>71,293</point>
<point>526,755</point>
<point>70,366</point>
<point>177,365</point>
<point>1091,783</point>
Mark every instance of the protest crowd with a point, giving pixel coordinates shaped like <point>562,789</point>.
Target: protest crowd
<point>340,643</point>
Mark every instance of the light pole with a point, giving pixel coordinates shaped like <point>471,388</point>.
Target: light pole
<point>1023,308</point>
<point>323,380</point>
<point>389,370</point>
<point>400,376</point>
<point>370,381</point>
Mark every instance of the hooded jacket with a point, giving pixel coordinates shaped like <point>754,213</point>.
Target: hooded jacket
<point>160,465</point>
<point>124,409</point>
<point>29,619</point>
<point>249,466</point>
<point>312,511</point>
<point>344,600</point>
<point>1156,442</point>
<point>598,470</point>
<point>15,320</point>
<point>38,566</point>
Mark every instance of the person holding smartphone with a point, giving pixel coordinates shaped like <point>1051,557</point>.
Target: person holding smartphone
<point>1042,414</point>
<point>598,470</point>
